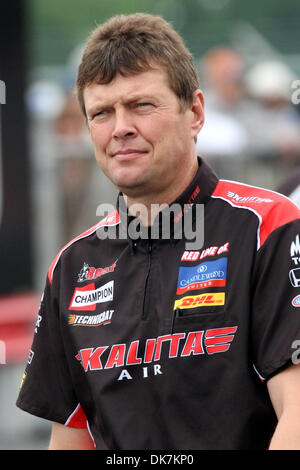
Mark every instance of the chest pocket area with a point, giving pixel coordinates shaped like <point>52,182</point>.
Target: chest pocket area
<point>201,294</point>
<point>199,311</point>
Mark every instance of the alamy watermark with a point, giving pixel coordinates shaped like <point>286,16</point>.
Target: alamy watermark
<point>2,92</point>
<point>162,222</point>
<point>296,353</point>
<point>2,352</point>
<point>296,94</point>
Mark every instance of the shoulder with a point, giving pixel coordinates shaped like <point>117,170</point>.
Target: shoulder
<point>110,220</point>
<point>271,209</point>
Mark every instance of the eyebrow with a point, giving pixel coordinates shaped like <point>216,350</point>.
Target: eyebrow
<point>128,100</point>
<point>131,98</point>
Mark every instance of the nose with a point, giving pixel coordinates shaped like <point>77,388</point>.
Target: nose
<point>124,125</point>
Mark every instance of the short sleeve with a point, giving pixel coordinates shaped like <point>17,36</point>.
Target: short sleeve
<point>46,387</point>
<point>275,317</point>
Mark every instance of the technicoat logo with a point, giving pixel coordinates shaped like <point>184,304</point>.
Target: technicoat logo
<point>86,298</point>
<point>103,318</point>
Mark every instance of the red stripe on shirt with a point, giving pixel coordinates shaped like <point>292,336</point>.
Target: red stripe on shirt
<point>110,219</point>
<point>77,419</point>
<point>272,209</point>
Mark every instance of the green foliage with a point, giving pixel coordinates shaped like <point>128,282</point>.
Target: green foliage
<point>55,27</point>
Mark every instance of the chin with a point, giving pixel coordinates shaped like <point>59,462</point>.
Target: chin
<point>128,180</point>
<point>131,190</point>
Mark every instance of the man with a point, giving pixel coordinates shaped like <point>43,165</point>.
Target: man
<point>144,341</point>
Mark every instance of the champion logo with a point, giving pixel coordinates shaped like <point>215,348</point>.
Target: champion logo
<point>87,297</point>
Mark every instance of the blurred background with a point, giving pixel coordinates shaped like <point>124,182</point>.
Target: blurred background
<point>248,58</point>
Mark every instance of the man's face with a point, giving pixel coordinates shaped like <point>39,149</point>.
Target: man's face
<point>143,141</point>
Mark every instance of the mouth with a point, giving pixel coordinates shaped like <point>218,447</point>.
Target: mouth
<point>128,154</point>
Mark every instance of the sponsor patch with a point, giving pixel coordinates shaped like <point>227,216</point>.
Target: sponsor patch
<point>203,300</point>
<point>88,273</point>
<point>296,301</point>
<point>170,346</point>
<point>295,250</point>
<point>294,276</point>
<point>190,255</point>
<point>209,274</point>
<point>87,297</point>
<point>243,199</point>
<point>103,318</point>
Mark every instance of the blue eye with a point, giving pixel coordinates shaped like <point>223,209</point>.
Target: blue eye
<point>99,113</point>
<point>144,106</point>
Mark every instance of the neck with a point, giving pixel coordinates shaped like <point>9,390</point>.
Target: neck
<point>149,205</point>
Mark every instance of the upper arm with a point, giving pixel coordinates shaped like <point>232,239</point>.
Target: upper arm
<point>284,390</point>
<point>67,438</point>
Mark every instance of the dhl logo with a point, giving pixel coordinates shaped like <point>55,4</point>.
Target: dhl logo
<point>203,300</point>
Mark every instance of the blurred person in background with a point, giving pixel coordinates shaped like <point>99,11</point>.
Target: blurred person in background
<point>81,188</point>
<point>269,83</point>
<point>291,186</point>
<point>75,164</point>
<point>231,129</point>
<point>144,342</point>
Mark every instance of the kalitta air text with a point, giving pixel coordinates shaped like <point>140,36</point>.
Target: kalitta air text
<point>181,345</point>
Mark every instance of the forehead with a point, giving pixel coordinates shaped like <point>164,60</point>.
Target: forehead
<point>153,82</point>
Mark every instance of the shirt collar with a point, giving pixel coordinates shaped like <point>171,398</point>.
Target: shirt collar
<point>197,192</point>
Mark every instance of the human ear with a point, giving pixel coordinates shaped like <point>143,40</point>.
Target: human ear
<point>197,109</point>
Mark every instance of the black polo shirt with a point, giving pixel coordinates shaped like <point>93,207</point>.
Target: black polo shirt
<point>153,344</point>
